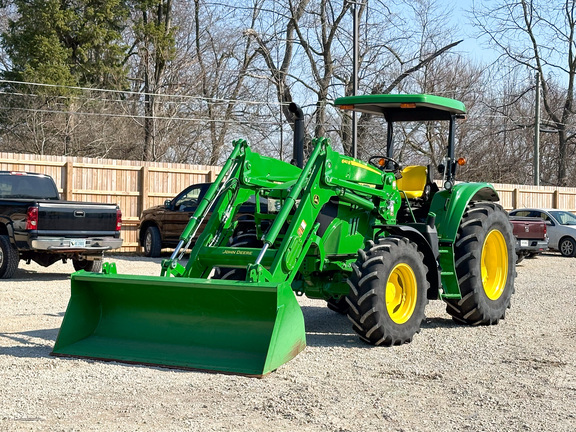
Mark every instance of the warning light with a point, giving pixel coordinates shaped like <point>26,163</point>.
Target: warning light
<point>461,161</point>
<point>407,105</point>
<point>346,107</point>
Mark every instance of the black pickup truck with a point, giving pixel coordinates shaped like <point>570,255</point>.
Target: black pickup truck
<point>36,225</point>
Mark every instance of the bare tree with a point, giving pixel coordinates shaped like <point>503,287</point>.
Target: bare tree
<point>539,36</point>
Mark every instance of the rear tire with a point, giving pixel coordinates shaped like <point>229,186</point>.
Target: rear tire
<point>9,258</point>
<point>567,246</point>
<point>388,292</point>
<point>152,242</point>
<point>485,260</point>
<point>94,266</point>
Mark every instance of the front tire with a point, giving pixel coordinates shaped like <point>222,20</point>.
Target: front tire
<point>9,258</point>
<point>485,265</point>
<point>152,242</point>
<point>340,305</point>
<point>388,292</point>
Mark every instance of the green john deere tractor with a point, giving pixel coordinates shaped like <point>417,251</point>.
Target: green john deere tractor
<point>374,240</point>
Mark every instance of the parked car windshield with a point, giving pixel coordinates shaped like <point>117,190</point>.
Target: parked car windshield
<point>564,217</point>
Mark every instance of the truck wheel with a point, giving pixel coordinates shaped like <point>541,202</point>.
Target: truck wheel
<point>388,292</point>
<point>152,242</point>
<point>94,266</point>
<point>246,239</point>
<point>9,258</point>
<point>567,246</point>
<point>485,265</point>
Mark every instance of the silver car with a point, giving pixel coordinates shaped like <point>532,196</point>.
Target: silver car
<point>561,227</point>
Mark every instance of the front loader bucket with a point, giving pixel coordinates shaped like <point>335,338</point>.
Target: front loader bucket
<point>219,325</point>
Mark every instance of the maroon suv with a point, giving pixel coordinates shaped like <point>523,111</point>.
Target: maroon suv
<point>161,226</point>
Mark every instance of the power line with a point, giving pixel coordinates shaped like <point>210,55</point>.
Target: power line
<point>134,93</point>
<point>136,116</point>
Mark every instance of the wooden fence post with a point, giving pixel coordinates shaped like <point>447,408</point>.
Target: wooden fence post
<point>144,188</point>
<point>515,198</point>
<point>556,199</point>
<point>68,186</point>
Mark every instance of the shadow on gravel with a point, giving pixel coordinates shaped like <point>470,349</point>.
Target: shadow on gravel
<point>32,275</point>
<point>27,346</point>
<point>439,323</point>
<point>326,328</point>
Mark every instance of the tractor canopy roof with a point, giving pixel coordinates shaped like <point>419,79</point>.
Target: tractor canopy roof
<point>400,107</point>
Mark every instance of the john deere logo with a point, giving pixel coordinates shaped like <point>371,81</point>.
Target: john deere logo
<point>236,252</point>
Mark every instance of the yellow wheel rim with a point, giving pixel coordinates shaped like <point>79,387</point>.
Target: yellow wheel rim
<point>401,292</point>
<point>494,264</point>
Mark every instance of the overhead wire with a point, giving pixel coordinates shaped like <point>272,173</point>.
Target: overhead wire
<point>179,99</point>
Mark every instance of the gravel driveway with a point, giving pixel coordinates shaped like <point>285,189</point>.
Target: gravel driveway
<point>518,375</point>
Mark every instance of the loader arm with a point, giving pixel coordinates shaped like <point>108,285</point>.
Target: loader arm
<point>327,175</point>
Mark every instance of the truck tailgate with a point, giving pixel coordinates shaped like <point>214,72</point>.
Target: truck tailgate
<point>82,218</point>
<point>528,227</point>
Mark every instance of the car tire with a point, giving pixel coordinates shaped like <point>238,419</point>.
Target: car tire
<point>152,242</point>
<point>567,246</point>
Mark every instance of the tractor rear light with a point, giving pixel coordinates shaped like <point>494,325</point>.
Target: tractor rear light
<point>407,105</point>
<point>461,161</point>
<point>346,107</point>
<point>32,218</point>
<point>118,219</point>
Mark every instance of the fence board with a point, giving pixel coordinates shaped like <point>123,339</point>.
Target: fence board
<point>136,185</point>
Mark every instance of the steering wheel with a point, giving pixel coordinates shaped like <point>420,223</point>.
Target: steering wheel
<point>375,160</point>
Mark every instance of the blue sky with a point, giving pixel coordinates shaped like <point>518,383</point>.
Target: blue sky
<point>471,47</point>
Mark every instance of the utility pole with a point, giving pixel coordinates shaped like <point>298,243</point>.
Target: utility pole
<point>355,49</point>
<point>537,134</point>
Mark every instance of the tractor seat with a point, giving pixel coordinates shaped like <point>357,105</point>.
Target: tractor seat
<point>413,181</point>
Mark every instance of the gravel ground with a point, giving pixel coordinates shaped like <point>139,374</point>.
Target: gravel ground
<point>518,375</point>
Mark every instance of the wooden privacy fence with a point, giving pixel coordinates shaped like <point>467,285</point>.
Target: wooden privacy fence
<point>137,185</point>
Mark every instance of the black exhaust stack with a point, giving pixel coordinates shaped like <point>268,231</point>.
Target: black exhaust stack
<point>298,149</point>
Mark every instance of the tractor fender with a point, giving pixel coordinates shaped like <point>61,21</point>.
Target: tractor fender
<point>427,243</point>
<point>449,206</point>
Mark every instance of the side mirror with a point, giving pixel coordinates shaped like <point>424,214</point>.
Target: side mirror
<point>167,203</point>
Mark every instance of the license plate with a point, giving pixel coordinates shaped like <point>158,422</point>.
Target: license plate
<point>524,243</point>
<point>78,243</point>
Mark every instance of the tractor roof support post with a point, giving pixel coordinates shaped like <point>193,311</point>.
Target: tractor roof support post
<point>298,149</point>
<point>390,140</point>
<point>451,163</point>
